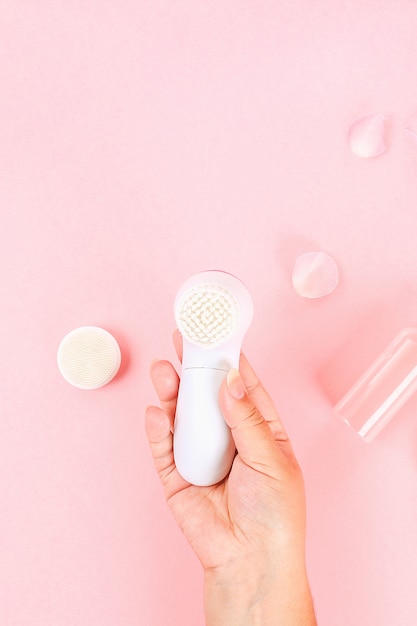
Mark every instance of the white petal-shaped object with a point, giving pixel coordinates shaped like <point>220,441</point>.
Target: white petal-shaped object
<point>367,136</point>
<point>411,129</point>
<point>315,274</point>
<point>412,136</point>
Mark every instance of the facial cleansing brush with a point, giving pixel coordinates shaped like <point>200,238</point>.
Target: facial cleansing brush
<point>213,310</point>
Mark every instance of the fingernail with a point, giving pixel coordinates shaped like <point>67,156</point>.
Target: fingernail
<point>235,384</point>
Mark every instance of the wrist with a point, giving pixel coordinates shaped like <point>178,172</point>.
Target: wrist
<point>260,590</point>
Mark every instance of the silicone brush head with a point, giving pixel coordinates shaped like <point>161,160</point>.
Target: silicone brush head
<point>212,308</point>
<point>88,357</point>
<point>208,314</point>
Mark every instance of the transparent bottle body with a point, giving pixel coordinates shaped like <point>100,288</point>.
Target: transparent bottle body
<point>383,388</point>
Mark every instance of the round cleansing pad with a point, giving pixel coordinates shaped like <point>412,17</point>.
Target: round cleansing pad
<point>89,357</point>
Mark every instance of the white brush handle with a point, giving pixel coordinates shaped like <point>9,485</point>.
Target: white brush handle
<point>203,444</point>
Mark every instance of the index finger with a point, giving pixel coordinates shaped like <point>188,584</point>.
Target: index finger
<point>262,400</point>
<point>166,382</point>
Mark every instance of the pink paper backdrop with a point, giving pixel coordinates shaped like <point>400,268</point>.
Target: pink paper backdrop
<point>141,142</point>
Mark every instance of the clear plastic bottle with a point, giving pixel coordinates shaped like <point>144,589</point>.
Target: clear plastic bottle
<point>383,389</point>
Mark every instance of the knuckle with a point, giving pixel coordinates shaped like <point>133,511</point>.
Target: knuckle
<point>253,384</point>
<point>251,418</point>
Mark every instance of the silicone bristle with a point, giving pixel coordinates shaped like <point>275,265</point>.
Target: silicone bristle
<point>208,314</point>
<point>89,357</point>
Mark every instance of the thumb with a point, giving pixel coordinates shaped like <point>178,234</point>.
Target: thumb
<point>253,437</point>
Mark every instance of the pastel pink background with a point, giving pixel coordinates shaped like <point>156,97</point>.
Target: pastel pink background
<point>141,142</point>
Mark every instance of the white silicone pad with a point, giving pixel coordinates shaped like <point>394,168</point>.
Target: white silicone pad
<point>89,357</point>
<point>208,314</point>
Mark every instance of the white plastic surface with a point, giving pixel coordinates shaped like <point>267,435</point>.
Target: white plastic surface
<point>203,445</point>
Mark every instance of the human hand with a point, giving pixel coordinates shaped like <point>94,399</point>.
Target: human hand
<point>254,520</point>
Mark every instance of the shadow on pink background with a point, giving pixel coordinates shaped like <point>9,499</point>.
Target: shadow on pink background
<point>141,143</point>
